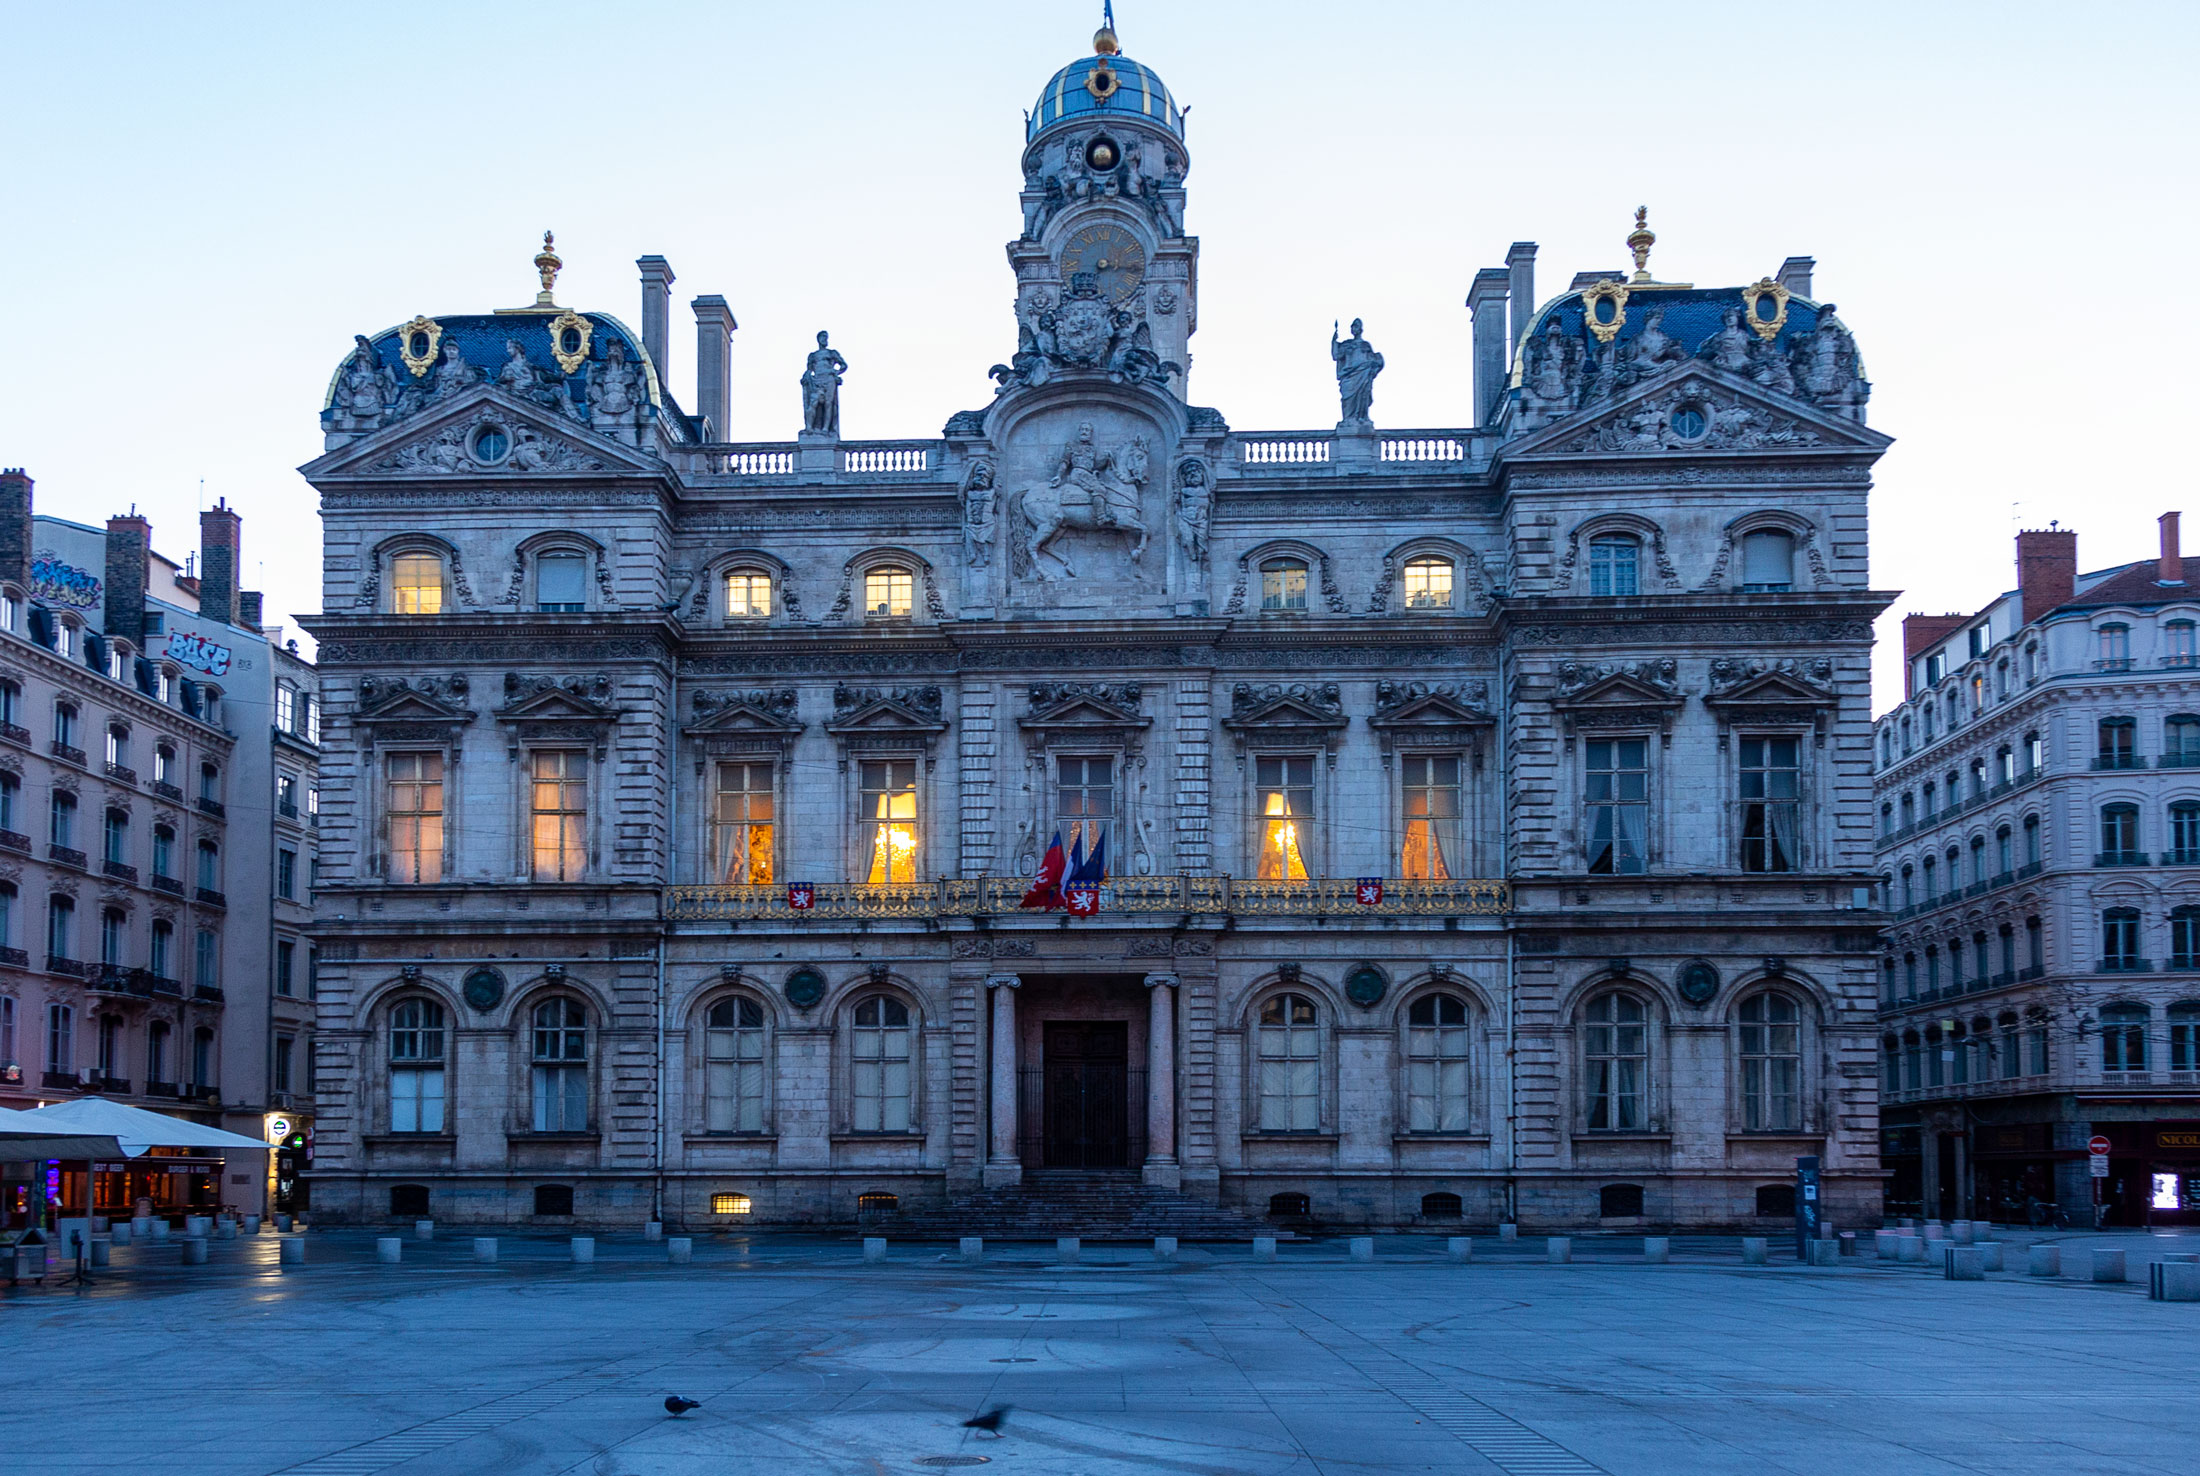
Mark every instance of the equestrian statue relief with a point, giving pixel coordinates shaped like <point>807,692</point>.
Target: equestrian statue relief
<point>1092,490</point>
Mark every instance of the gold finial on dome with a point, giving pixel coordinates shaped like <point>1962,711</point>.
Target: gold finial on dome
<point>547,262</point>
<point>1103,40</point>
<point>1640,240</point>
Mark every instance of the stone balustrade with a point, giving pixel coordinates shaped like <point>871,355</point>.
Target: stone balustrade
<point>994,896</point>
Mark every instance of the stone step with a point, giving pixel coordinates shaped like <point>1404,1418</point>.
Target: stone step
<point>1097,1205</point>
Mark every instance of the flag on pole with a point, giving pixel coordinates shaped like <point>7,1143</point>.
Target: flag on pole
<point>1046,888</point>
<point>1081,893</point>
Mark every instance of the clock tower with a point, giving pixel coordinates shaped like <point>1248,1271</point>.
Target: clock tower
<point>1103,210</point>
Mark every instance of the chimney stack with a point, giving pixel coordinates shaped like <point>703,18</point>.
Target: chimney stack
<point>218,556</point>
<point>248,608</point>
<point>129,556</point>
<point>2047,569</point>
<point>657,313</point>
<point>1794,274</point>
<point>2172,568</point>
<point>1486,300</point>
<point>1520,264</point>
<point>15,526</point>
<point>1921,633</point>
<point>714,327</point>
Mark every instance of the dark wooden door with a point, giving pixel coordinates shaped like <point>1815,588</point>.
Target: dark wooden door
<point>1087,1111</point>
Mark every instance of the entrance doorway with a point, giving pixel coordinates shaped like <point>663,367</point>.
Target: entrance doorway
<point>1087,1089</point>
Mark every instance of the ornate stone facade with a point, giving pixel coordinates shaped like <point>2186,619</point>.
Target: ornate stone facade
<point>1472,848</point>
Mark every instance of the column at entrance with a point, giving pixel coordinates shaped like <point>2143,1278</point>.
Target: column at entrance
<point>1161,1167</point>
<point>1003,1166</point>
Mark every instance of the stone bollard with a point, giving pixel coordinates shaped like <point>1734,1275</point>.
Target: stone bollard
<point>1459,1248</point>
<point>1825,1253</point>
<point>874,1248</point>
<point>99,1249</point>
<point>159,1229</point>
<point>292,1252</point>
<point>1963,1263</point>
<point>1508,1232</point>
<point>485,1248</point>
<point>423,1229</point>
<point>584,1250</point>
<point>1657,1250</point>
<point>653,1230</point>
<point>282,1224</point>
<point>194,1250</point>
<point>2108,1265</point>
<point>2174,1279</point>
<point>1164,1247</point>
<point>1910,1250</point>
<point>1887,1244</point>
<point>225,1229</point>
<point>1753,1250</point>
<point>1065,1249</point>
<point>973,1248</point>
<point>251,1224</point>
<point>1934,1230</point>
<point>2044,1260</point>
<point>1989,1253</point>
<point>1264,1247</point>
<point>389,1250</point>
<point>1363,1247</point>
<point>1558,1249</point>
<point>196,1226</point>
<point>1847,1242</point>
<point>679,1249</point>
<point>1963,1232</point>
<point>120,1234</point>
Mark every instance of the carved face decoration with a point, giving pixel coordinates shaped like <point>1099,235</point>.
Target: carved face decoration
<point>1112,254</point>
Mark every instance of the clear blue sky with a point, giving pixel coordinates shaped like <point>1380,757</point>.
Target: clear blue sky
<point>204,203</point>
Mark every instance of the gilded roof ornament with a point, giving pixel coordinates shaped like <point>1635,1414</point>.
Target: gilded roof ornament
<point>1640,240</point>
<point>547,262</point>
<point>1103,40</point>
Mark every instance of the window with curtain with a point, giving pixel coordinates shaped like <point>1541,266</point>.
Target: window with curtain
<point>2124,1037</point>
<point>2177,643</point>
<point>416,584</point>
<point>1618,797</point>
<point>748,595</point>
<point>1288,1054</point>
<point>888,813</point>
<point>415,807</point>
<point>416,1067</point>
<point>2115,648</point>
<point>559,1078</point>
<point>2119,744</point>
<point>880,1052</point>
<point>734,1067</point>
<point>889,593</point>
<point>560,813</point>
<point>1084,800</point>
<point>1770,778</point>
<point>1616,1056</point>
<point>1768,561</point>
<point>1432,815</point>
<point>741,840</point>
<point>1428,583</point>
<point>1284,799</point>
<point>1439,1051</point>
<point>1283,584</point>
<point>561,582</point>
<point>1614,564</point>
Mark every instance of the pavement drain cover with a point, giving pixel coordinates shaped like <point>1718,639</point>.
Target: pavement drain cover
<point>954,1460</point>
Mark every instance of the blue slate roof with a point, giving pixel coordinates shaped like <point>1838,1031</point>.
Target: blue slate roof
<point>1139,93</point>
<point>1692,315</point>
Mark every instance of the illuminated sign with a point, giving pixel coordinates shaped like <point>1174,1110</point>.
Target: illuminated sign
<point>64,584</point>
<point>198,651</point>
<point>278,1128</point>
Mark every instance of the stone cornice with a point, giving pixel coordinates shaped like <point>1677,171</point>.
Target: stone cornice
<point>123,698</point>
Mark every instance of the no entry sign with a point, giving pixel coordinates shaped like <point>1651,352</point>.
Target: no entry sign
<point>2097,1146</point>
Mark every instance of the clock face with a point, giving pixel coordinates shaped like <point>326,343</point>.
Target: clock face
<point>1113,256</point>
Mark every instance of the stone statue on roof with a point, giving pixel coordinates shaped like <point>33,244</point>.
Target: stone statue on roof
<point>1357,365</point>
<point>821,374</point>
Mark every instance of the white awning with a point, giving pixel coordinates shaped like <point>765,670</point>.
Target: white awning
<point>133,1127</point>
<point>24,1138</point>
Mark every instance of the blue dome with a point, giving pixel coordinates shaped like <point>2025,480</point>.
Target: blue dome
<point>1072,93</point>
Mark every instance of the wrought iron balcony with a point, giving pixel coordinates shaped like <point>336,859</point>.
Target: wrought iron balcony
<point>208,897</point>
<point>2120,858</point>
<point>121,773</point>
<point>173,886</point>
<point>16,733</point>
<point>18,957</point>
<point>995,896</point>
<point>67,752</point>
<point>167,791</point>
<point>69,856</point>
<point>2118,761</point>
<point>120,871</point>
<point>2123,964</point>
<point>15,840</point>
<point>213,807</point>
<point>68,968</point>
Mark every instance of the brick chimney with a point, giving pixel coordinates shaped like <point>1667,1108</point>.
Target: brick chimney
<point>248,609</point>
<point>2047,569</point>
<point>2172,568</point>
<point>129,555</point>
<point>218,529</point>
<point>15,526</point>
<point>1920,633</point>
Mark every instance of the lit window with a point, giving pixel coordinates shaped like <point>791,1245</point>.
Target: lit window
<point>1772,1064</point>
<point>560,814</point>
<point>64,639</point>
<point>1618,794</point>
<point>743,836</point>
<point>1289,1064</point>
<point>1768,561</point>
<point>1283,584</point>
<point>1431,816</point>
<point>1769,787</point>
<point>1614,565</point>
<point>2177,643</point>
<point>1284,795</point>
<point>749,595</point>
<point>561,582</point>
<point>416,584</point>
<point>888,807</point>
<point>879,1049</point>
<point>416,1067</point>
<point>729,1204</point>
<point>734,1068</point>
<point>560,1076</point>
<point>1085,805</point>
<point>1616,1056</point>
<point>286,706</point>
<point>416,817</point>
<point>887,593</point>
<point>1438,1052</point>
<point>11,613</point>
<point>1428,584</point>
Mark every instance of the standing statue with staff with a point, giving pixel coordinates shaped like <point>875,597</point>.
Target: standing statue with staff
<point>1357,365</point>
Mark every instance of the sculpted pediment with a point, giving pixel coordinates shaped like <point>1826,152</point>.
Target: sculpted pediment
<point>413,699</point>
<point>1303,707</point>
<point>1101,713</point>
<point>763,713</point>
<point>479,431</point>
<point>1402,707</point>
<point>535,698</point>
<point>1750,682</point>
<point>912,712</point>
<point>1690,408</point>
<point>1654,683</point>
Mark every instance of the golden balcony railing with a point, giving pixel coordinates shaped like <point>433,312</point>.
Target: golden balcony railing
<point>997,896</point>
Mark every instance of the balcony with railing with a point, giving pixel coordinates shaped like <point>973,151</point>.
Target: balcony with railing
<point>168,791</point>
<point>19,958</point>
<point>2124,963</point>
<point>212,807</point>
<point>69,856</point>
<point>2119,858</point>
<point>121,773</point>
<point>2114,663</point>
<point>66,752</point>
<point>16,841</point>
<point>121,871</point>
<point>16,733</point>
<point>1152,896</point>
<point>67,968</point>
<point>208,897</point>
<point>2118,761</point>
<point>173,886</point>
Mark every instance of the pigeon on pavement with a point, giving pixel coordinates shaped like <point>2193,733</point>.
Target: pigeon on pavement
<point>989,1421</point>
<point>676,1406</point>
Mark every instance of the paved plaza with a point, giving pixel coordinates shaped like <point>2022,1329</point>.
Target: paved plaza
<point>807,1360</point>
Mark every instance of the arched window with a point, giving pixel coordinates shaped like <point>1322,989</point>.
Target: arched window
<point>114,848</point>
<point>2005,852</point>
<point>2035,946</point>
<point>2124,1037</point>
<point>2119,835</point>
<point>2181,741</point>
<point>2031,840</point>
<point>1890,1052</point>
<point>1442,1206</point>
<point>2120,940</point>
<point>734,1067</point>
<point>880,1058</point>
<point>749,595</point>
<point>1978,860</point>
<point>2119,744</point>
<point>164,854</point>
<point>1768,561</point>
<point>2177,643</point>
<point>1936,1053</point>
<point>416,1067</point>
<point>1289,1065</point>
<point>560,1076</point>
<point>561,581</point>
<point>1909,810</point>
<point>1428,583</point>
<point>1438,1062</point>
<point>2184,937</point>
<point>1614,564</point>
<point>1913,1057</point>
<point>1909,886</point>
<point>889,593</point>
<point>1616,1058</point>
<point>416,584</point>
<point>161,958</point>
<point>1958,1053</point>
<point>2010,1056</point>
<point>210,867</point>
<point>1886,819</point>
<point>210,787</point>
<point>2184,834</point>
<point>1771,1043</point>
<point>2184,1036</point>
<point>1283,584</point>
